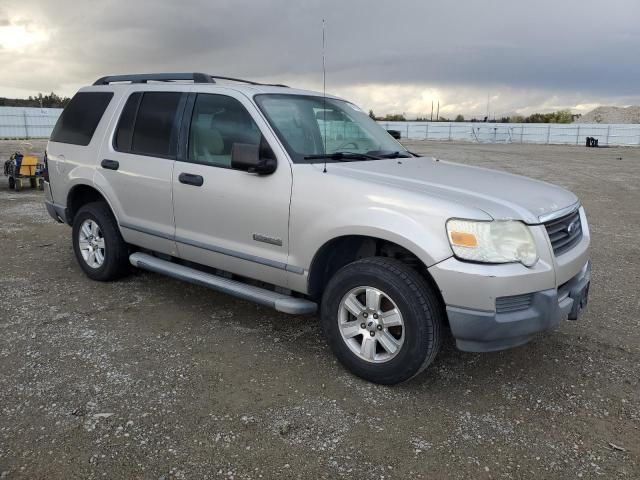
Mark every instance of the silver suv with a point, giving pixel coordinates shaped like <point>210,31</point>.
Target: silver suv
<point>299,201</point>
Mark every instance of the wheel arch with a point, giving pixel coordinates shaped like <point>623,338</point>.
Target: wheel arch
<point>81,194</point>
<point>342,250</point>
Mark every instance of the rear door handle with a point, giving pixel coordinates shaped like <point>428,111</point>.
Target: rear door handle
<point>109,164</point>
<point>191,179</point>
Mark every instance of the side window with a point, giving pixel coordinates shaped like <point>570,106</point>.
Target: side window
<point>219,121</point>
<point>80,118</point>
<point>148,124</point>
<point>124,132</point>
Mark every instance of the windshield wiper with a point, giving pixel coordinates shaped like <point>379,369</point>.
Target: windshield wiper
<point>341,156</point>
<point>395,155</point>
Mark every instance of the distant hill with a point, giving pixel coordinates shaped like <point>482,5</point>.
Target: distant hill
<point>611,115</point>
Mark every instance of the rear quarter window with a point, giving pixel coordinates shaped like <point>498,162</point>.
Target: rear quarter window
<point>79,119</point>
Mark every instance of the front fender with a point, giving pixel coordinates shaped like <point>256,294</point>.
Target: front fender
<point>427,242</point>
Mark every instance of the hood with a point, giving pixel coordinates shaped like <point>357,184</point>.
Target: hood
<point>501,195</point>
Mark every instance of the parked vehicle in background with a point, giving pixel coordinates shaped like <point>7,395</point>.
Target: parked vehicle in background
<point>297,200</point>
<point>395,134</point>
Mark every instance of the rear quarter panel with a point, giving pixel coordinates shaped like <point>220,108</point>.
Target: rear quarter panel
<point>71,165</point>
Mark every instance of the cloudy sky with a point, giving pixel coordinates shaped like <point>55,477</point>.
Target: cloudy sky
<point>391,56</point>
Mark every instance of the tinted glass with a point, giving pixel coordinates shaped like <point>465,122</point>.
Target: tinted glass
<point>217,123</point>
<point>80,118</point>
<point>309,125</point>
<point>155,131</point>
<point>124,132</point>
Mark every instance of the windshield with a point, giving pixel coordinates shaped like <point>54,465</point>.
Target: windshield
<point>317,129</point>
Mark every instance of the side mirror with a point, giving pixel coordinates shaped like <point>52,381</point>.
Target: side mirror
<point>394,133</point>
<point>253,158</point>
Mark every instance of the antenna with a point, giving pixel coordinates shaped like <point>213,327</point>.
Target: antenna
<point>324,99</point>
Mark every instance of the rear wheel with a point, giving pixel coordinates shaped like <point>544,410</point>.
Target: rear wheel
<point>97,243</point>
<point>12,183</point>
<point>382,320</point>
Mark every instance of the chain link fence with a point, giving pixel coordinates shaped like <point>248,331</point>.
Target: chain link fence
<point>27,123</point>
<point>540,133</point>
<point>19,122</point>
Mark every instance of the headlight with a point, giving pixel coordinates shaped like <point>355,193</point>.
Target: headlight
<point>492,242</point>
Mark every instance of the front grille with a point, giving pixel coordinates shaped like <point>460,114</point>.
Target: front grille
<point>564,232</point>
<point>513,303</point>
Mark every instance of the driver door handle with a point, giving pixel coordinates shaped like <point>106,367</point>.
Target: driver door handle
<point>191,179</point>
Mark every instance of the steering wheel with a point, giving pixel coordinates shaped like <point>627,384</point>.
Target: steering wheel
<point>344,145</point>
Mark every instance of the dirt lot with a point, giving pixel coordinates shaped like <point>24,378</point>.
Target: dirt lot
<point>152,378</point>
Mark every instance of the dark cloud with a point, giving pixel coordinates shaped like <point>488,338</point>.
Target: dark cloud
<point>562,47</point>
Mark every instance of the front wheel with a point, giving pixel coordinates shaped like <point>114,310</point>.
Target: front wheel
<point>97,243</point>
<point>382,320</point>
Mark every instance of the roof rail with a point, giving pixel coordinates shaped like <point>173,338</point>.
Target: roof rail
<point>250,82</point>
<point>169,77</point>
<point>155,77</point>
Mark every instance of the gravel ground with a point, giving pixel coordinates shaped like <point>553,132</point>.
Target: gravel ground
<point>152,378</point>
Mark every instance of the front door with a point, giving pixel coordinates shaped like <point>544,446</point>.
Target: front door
<point>225,218</point>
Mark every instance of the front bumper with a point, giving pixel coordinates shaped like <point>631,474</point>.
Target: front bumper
<point>482,331</point>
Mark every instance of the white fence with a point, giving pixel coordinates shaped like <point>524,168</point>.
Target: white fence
<point>546,133</point>
<point>18,122</point>
<point>24,122</point>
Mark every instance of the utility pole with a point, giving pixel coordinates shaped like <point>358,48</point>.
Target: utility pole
<point>488,103</point>
<point>438,112</point>
<point>432,110</point>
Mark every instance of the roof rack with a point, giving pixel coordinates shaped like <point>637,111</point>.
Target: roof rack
<point>155,77</point>
<point>250,82</point>
<point>171,77</point>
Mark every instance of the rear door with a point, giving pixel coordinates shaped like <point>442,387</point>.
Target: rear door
<point>225,218</point>
<point>136,167</point>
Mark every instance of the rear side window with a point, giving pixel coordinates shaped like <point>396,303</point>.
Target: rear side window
<point>80,118</point>
<point>148,124</point>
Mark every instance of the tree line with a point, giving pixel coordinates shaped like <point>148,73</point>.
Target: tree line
<point>561,116</point>
<point>45,101</point>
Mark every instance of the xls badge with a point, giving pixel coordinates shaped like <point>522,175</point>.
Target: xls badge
<point>258,237</point>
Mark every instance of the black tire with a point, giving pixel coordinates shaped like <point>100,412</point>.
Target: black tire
<point>421,309</point>
<point>12,183</point>
<point>116,251</point>
<point>32,183</point>
<point>17,184</point>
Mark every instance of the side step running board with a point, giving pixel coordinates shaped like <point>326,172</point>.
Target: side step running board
<point>282,303</point>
